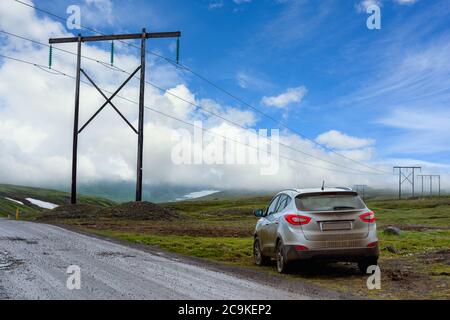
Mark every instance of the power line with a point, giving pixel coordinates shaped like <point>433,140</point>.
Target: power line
<point>361,190</point>
<point>171,61</point>
<point>105,64</point>
<point>177,119</point>
<point>93,30</point>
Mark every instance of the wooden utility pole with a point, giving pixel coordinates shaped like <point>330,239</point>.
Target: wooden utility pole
<point>140,131</point>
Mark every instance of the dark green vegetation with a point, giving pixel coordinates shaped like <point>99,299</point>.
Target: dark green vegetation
<point>19,193</point>
<point>414,264</point>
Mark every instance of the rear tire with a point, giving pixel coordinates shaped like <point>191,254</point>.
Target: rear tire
<point>366,263</point>
<point>260,259</point>
<point>282,263</point>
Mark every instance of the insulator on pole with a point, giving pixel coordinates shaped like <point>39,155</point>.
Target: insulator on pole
<point>50,57</point>
<point>112,53</point>
<point>178,50</point>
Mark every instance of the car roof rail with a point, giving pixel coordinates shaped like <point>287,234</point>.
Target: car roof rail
<point>289,189</point>
<point>345,188</point>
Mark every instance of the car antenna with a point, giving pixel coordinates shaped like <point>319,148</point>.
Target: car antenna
<point>323,185</point>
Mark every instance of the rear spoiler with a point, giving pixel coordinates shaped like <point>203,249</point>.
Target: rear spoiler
<point>333,193</point>
<point>347,211</point>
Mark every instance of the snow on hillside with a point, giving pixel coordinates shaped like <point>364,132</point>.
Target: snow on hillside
<point>42,204</point>
<point>16,201</point>
<point>198,194</point>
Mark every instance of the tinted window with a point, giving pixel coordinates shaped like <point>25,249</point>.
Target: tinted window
<point>272,206</point>
<point>284,201</point>
<point>329,201</point>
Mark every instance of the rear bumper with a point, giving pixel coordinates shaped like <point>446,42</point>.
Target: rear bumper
<point>348,255</point>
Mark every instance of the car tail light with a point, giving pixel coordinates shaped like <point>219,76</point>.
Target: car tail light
<point>368,217</point>
<point>372,244</point>
<point>297,220</point>
<point>301,248</point>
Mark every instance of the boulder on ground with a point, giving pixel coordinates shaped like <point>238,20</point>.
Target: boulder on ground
<point>392,249</point>
<point>392,231</point>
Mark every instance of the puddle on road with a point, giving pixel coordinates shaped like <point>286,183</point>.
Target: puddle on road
<point>110,254</point>
<point>17,239</point>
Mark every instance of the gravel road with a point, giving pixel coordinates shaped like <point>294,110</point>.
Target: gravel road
<point>34,259</point>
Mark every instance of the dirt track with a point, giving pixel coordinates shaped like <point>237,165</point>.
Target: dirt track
<point>34,258</point>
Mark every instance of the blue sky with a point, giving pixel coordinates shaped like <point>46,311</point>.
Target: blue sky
<point>263,48</point>
<point>311,64</point>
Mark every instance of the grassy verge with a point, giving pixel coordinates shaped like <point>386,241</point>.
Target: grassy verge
<point>222,249</point>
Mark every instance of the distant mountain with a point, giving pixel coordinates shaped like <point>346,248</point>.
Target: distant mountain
<point>126,191</point>
<point>231,194</point>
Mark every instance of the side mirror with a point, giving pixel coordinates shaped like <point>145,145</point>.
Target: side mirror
<point>259,213</point>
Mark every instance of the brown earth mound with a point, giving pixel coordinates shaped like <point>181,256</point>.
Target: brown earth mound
<point>139,211</point>
<point>77,211</point>
<point>131,210</point>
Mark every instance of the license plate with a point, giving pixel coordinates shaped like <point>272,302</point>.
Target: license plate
<point>341,225</point>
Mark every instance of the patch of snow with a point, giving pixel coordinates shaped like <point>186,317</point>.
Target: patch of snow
<point>42,204</point>
<point>198,194</point>
<point>16,201</point>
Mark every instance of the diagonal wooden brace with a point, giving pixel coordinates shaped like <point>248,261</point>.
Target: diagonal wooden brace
<point>109,100</point>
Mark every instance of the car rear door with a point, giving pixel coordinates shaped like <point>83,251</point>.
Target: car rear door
<point>264,231</point>
<point>336,225</point>
<point>274,220</point>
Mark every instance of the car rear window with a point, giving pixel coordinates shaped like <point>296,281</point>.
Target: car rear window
<point>329,202</point>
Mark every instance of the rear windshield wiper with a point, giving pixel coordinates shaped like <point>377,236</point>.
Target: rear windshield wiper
<point>344,208</point>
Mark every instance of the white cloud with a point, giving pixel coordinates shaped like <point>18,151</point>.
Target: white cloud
<point>412,96</point>
<point>215,4</point>
<point>248,80</point>
<point>405,2</point>
<point>296,22</point>
<point>338,140</point>
<point>243,79</point>
<point>363,5</point>
<point>292,95</point>
<point>421,132</point>
<point>102,11</point>
<point>241,1</point>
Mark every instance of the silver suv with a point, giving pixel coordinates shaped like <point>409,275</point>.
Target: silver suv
<point>331,224</point>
